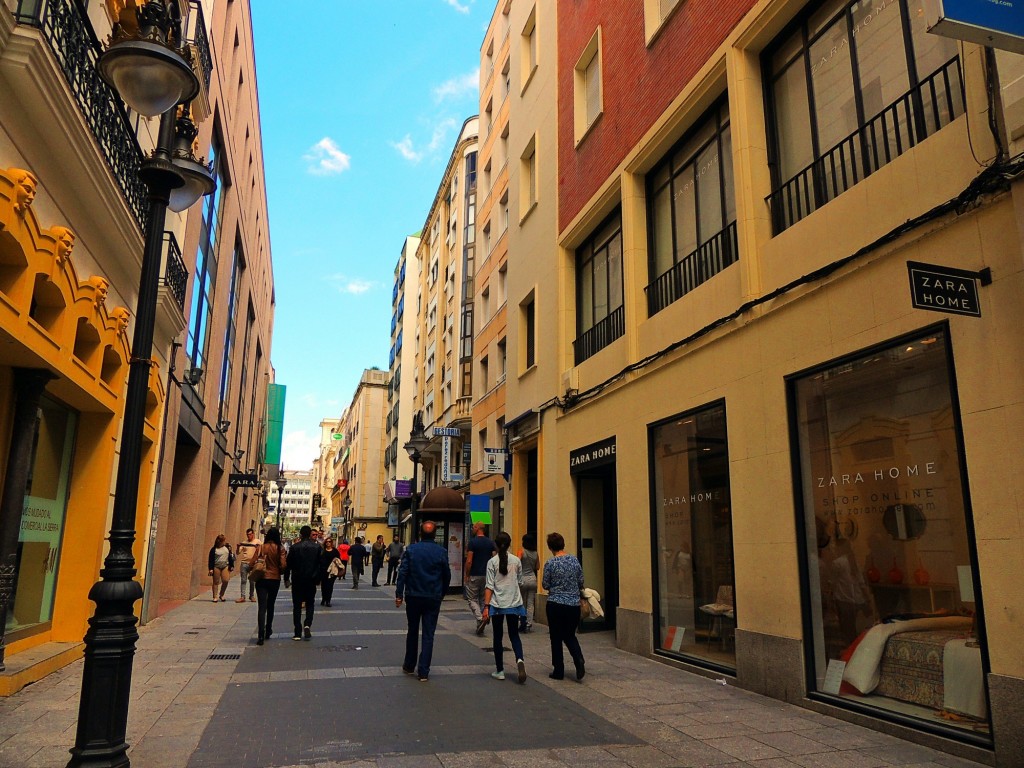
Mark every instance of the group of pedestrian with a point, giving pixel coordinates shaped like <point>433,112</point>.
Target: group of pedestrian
<point>221,564</point>
<point>497,588</point>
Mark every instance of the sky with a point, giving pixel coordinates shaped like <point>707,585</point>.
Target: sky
<point>361,103</point>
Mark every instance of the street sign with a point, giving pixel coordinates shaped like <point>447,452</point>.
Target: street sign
<point>456,477</point>
<point>447,432</point>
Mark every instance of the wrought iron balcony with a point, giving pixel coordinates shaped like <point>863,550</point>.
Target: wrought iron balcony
<point>196,35</point>
<point>909,120</point>
<point>600,336</point>
<point>704,263</point>
<point>71,38</point>
<point>175,275</point>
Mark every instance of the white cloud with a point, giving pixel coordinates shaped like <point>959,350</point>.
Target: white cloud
<point>405,149</point>
<point>440,132</point>
<point>352,285</point>
<point>457,6</point>
<point>325,159</point>
<point>458,86</point>
<point>299,449</point>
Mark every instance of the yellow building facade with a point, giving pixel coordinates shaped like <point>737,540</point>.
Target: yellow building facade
<point>807,422</point>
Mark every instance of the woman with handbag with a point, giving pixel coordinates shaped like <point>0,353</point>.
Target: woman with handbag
<point>330,570</point>
<point>563,579</point>
<point>266,570</point>
<point>221,562</point>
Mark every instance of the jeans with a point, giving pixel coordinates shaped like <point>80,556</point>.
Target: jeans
<point>474,590</point>
<point>393,570</point>
<point>302,592</point>
<point>357,571</point>
<point>562,623</point>
<point>243,579</point>
<point>327,589</point>
<point>427,610</point>
<point>266,595</point>
<point>529,592</point>
<point>513,637</point>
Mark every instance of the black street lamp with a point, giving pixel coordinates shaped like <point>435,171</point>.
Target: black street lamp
<point>418,442</point>
<point>149,69</point>
<point>281,483</point>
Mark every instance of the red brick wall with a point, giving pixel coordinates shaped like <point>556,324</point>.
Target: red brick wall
<point>638,82</point>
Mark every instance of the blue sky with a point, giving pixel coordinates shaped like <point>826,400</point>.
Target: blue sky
<point>360,104</point>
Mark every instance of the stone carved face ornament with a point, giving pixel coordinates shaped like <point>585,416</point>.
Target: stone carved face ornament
<point>24,189</point>
<point>102,288</point>
<point>65,243</point>
<point>121,316</point>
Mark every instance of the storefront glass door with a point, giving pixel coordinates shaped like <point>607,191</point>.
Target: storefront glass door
<point>42,520</point>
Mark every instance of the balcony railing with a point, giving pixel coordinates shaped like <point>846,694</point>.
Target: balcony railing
<point>704,263</point>
<point>175,276</point>
<point>196,36</point>
<point>600,336</point>
<point>74,44</point>
<point>913,117</point>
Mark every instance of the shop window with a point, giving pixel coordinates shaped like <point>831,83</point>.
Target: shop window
<point>890,584</point>
<point>600,318</point>
<point>692,212</point>
<point>696,607</point>
<point>851,88</point>
<point>42,522</point>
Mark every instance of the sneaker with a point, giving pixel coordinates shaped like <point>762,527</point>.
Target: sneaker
<point>409,671</point>
<point>297,637</point>
<point>498,675</point>
<point>307,635</point>
<point>581,669</point>
<point>423,678</point>
<point>521,667</point>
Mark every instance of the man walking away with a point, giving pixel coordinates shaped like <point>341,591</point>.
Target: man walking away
<point>481,550</point>
<point>395,550</point>
<point>343,549</point>
<point>423,579</point>
<point>357,555</point>
<point>304,565</point>
<point>246,553</point>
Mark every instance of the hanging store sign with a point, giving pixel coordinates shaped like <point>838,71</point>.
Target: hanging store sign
<point>447,432</point>
<point>494,460</point>
<point>446,459</point>
<point>995,23</point>
<point>243,480</point>
<point>945,289</point>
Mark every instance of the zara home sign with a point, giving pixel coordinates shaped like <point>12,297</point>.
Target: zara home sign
<point>946,289</point>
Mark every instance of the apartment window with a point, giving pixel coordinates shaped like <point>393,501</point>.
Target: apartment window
<point>502,360</point>
<point>482,444</point>
<point>528,329</point>
<point>230,332</point>
<point>528,49</point>
<point>587,87</point>
<point>853,87</point>
<point>502,284</point>
<point>528,176</point>
<point>691,212</point>
<point>484,374</point>
<point>504,211</point>
<point>485,305</point>
<point>599,311</point>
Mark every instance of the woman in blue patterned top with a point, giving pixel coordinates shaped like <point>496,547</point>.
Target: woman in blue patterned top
<point>563,580</point>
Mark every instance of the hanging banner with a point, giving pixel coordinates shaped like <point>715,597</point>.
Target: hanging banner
<point>275,422</point>
<point>446,459</point>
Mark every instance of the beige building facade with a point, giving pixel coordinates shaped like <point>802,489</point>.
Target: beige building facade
<point>359,468</point>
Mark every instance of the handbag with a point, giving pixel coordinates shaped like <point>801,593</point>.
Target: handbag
<point>258,567</point>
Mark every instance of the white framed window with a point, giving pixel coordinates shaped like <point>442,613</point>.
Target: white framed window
<point>528,176</point>
<point>587,90</point>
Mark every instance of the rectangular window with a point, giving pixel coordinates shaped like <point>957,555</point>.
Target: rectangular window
<point>587,92</point>
<point>227,365</point>
<point>528,49</point>
<point>599,311</point>
<point>854,86</point>
<point>529,328</point>
<point>692,211</point>
<point>528,177</point>
<point>884,532</point>
<point>696,609</point>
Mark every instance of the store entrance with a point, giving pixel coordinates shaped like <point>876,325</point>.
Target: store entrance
<point>598,541</point>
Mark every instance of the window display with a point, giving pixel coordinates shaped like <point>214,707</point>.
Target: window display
<point>696,610</point>
<point>889,561</point>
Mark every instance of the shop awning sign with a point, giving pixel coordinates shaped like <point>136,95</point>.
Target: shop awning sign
<point>592,456</point>
<point>243,480</point>
<point>946,289</point>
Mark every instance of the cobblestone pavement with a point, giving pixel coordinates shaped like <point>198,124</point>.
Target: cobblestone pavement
<point>342,700</point>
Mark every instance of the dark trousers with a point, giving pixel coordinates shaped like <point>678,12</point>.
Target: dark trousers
<point>427,610</point>
<point>266,596</point>
<point>357,571</point>
<point>302,592</point>
<point>376,569</point>
<point>513,637</point>
<point>327,589</point>
<point>392,570</point>
<point>562,623</point>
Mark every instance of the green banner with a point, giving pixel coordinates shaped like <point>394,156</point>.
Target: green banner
<point>275,422</point>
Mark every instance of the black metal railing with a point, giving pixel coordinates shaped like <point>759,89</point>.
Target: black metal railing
<point>74,44</point>
<point>175,276</point>
<point>600,335</point>
<point>196,35</point>
<point>698,267</point>
<point>913,117</point>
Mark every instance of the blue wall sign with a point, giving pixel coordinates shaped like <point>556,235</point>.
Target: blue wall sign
<point>996,23</point>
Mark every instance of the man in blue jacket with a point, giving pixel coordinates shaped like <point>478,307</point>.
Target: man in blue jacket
<point>423,579</point>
